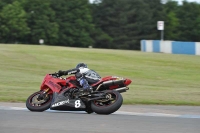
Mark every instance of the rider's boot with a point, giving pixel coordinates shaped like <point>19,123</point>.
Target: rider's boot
<point>85,85</point>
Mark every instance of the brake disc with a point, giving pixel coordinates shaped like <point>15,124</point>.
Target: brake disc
<point>37,102</point>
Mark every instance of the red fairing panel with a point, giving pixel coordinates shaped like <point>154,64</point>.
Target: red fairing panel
<point>127,82</point>
<point>52,83</point>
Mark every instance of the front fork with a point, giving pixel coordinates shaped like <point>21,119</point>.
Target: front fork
<point>43,94</point>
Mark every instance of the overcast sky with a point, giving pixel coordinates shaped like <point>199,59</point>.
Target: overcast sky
<point>180,1</point>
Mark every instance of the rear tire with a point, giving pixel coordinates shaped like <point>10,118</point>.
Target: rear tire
<point>38,105</point>
<point>110,106</point>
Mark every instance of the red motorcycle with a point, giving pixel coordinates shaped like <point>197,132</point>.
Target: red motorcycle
<point>58,93</point>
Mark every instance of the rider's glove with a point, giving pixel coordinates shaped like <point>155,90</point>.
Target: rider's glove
<point>61,73</point>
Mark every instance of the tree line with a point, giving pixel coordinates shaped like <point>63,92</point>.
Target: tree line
<point>113,24</point>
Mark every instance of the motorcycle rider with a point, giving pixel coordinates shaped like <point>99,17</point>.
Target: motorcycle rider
<point>84,76</point>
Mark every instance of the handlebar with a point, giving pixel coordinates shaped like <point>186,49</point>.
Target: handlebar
<point>55,75</point>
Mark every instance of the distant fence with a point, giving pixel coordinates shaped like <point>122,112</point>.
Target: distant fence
<point>172,47</point>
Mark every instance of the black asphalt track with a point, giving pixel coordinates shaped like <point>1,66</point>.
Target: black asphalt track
<point>24,121</point>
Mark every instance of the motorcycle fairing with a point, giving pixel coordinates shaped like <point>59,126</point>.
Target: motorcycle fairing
<point>62,102</point>
<point>52,83</point>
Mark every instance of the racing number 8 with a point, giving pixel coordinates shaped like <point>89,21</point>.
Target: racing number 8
<point>77,103</point>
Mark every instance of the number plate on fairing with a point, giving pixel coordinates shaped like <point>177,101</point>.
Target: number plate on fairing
<point>66,104</point>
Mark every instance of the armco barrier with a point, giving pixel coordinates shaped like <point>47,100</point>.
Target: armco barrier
<point>173,47</point>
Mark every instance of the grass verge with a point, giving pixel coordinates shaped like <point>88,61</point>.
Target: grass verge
<point>156,78</point>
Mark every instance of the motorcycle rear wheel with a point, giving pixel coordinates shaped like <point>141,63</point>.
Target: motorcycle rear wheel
<point>33,104</point>
<point>109,106</point>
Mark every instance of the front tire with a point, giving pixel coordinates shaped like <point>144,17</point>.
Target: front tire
<point>33,104</point>
<point>109,106</point>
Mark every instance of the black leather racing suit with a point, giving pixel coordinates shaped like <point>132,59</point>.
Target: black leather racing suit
<point>85,76</point>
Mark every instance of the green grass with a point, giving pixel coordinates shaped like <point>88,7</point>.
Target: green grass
<point>156,78</point>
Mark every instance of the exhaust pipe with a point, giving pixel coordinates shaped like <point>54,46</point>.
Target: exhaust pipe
<point>113,82</point>
<point>121,90</point>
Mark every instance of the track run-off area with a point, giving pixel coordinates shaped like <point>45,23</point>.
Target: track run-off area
<point>15,117</point>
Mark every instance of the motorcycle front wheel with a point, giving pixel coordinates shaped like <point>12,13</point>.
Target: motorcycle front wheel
<point>112,102</point>
<point>33,104</point>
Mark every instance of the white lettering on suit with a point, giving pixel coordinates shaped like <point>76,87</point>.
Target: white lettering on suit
<point>71,72</point>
